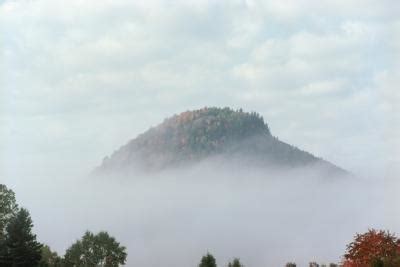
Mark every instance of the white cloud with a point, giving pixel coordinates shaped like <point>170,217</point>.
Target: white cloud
<point>307,66</point>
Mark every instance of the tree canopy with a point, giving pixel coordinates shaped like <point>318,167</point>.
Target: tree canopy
<point>49,258</point>
<point>199,132</point>
<point>8,207</point>
<point>22,248</point>
<point>372,248</point>
<point>96,250</point>
<point>208,260</point>
<point>18,245</point>
<point>235,263</point>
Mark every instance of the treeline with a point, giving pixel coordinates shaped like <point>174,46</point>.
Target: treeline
<point>209,261</point>
<point>375,248</point>
<point>19,246</point>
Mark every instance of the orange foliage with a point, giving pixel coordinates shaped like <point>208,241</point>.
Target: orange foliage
<point>370,246</point>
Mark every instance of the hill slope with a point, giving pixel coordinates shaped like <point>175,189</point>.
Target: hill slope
<point>196,135</point>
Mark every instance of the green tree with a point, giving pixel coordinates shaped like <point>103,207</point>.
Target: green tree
<point>49,258</point>
<point>290,264</point>
<point>8,207</point>
<point>73,255</point>
<point>95,250</point>
<point>235,263</point>
<point>208,261</point>
<point>22,247</point>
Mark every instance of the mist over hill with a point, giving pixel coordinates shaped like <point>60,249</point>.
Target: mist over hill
<point>231,136</point>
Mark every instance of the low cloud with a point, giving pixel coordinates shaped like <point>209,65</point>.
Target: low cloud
<point>265,217</point>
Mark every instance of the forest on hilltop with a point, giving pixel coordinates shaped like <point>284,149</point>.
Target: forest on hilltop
<point>195,135</point>
<point>204,131</point>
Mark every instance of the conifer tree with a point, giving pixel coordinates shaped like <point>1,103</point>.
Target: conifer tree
<point>208,261</point>
<point>22,248</point>
<point>235,263</point>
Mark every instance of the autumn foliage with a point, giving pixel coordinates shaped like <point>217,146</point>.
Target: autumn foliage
<point>373,248</point>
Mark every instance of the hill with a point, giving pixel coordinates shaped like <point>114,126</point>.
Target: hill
<point>196,135</point>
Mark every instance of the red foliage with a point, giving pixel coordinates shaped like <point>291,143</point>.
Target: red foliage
<point>370,246</point>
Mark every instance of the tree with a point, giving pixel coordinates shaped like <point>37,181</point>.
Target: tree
<point>386,262</point>
<point>208,261</point>
<point>8,207</point>
<point>392,262</point>
<point>377,263</point>
<point>372,248</point>
<point>22,247</point>
<point>235,263</point>
<point>96,250</point>
<point>74,255</point>
<point>49,258</point>
<point>290,264</point>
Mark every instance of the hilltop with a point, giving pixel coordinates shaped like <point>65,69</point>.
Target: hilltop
<point>196,135</point>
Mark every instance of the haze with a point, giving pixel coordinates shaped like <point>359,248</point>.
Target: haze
<point>79,79</point>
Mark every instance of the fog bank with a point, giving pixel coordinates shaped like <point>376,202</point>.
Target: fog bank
<point>172,218</point>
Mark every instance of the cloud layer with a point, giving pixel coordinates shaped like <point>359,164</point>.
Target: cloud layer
<point>84,77</point>
<point>172,218</point>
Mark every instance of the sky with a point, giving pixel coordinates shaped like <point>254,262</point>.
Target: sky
<point>79,79</point>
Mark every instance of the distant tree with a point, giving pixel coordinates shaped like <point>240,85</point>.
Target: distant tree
<point>21,244</point>
<point>372,248</point>
<point>313,264</point>
<point>49,258</point>
<point>290,264</point>
<point>333,265</point>
<point>208,261</point>
<point>235,263</point>
<point>96,250</point>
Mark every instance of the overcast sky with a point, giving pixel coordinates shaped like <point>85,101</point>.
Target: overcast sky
<point>78,79</point>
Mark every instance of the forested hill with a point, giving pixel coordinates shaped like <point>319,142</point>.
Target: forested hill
<point>196,135</point>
